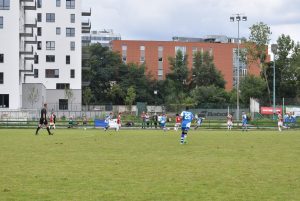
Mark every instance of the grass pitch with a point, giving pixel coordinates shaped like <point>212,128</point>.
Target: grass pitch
<point>140,165</point>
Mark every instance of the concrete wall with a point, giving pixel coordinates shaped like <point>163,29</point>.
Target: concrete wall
<point>34,96</point>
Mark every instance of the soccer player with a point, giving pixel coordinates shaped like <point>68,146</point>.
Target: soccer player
<point>199,121</point>
<point>163,122</point>
<point>280,121</point>
<point>244,122</point>
<point>108,117</point>
<point>177,122</point>
<point>187,118</point>
<point>84,122</point>
<point>43,120</point>
<point>52,120</point>
<point>118,122</point>
<point>229,121</point>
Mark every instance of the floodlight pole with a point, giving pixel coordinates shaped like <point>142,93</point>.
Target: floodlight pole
<point>238,18</point>
<point>274,50</point>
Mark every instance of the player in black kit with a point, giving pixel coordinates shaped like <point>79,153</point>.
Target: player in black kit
<point>43,120</point>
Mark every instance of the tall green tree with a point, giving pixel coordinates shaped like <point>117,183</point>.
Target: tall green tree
<point>204,72</point>
<point>211,94</point>
<point>252,87</point>
<point>104,65</point>
<point>130,97</point>
<point>179,69</point>
<point>257,49</point>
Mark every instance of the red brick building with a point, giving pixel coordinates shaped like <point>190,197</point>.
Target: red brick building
<point>155,54</point>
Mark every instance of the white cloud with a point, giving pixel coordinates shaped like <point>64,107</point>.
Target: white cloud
<point>162,19</point>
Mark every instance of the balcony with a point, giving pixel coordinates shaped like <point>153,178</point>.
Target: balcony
<point>27,34</point>
<point>30,7</point>
<point>31,25</point>
<point>33,42</point>
<point>27,70</point>
<point>86,27</point>
<point>26,1</point>
<point>25,52</point>
<point>86,13</point>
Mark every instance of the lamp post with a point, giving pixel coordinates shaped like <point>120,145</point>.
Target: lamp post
<point>238,17</point>
<point>274,50</point>
<point>155,93</point>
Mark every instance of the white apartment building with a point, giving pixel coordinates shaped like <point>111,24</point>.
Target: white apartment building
<point>40,54</point>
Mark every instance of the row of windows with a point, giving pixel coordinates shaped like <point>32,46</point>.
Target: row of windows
<point>52,73</point>
<point>50,17</point>
<point>70,4</point>
<point>70,32</point>
<point>4,4</point>
<point>51,58</point>
<point>50,45</point>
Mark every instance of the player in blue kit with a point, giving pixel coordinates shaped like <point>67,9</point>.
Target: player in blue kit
<point>187,118</point>
<point>163,122</point>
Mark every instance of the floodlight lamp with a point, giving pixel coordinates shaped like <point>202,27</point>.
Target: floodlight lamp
<point>238,18</point>
<point>231,19</point>
<point>244,18</point>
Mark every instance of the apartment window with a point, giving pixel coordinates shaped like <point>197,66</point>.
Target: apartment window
<point>50,58</point>
<point>39,3</point>
<point>52,73</point>
<point>4,4</point>
<point>36,73</point>
<point>1,78</point>
<point>50,45</point>
<point>58,31</point>
<point>1,22</point>
<point>68,59</point>
<point>63,104</point>
<point>124,53</point>
<point>72,73</point>
<point>160,54</point>
<point>70,32</point>
<point>72,45</point>
<point>72,16</point>
<point>36,59</point>
<point>142,54</point>
<point>70,4</point>
<point>58,3</point>
<point>39,31</point>
<point>62,86</point>
<point>1,58</point>
<point>4,100</point>
<point>50,17</point>
<point>39,45</point>
<point>39,17</point>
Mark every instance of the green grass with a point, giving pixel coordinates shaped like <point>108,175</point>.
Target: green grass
<point>149,165</point>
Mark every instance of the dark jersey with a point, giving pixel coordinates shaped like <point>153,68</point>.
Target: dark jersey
<point>43,113</point>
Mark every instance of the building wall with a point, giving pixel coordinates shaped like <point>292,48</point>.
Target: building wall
<point>222,52</point>
<point>34,95</point>
<point>9,46</point>
<point>62,45</point>
<point>18,71</point>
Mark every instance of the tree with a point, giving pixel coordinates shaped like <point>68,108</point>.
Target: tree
<point>252,87</point>
<point>69,95</point>
<point>257,49</point>
<point>104,65</point>
<point>179,70</point>
<point>130,97</point>
<point>116,94</point>
<point>87,96</point>
<point>33,96</point>
<point>204,95</point>
<point>205,72</point>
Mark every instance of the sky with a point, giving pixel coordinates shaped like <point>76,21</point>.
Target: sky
<point>163,19</point>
